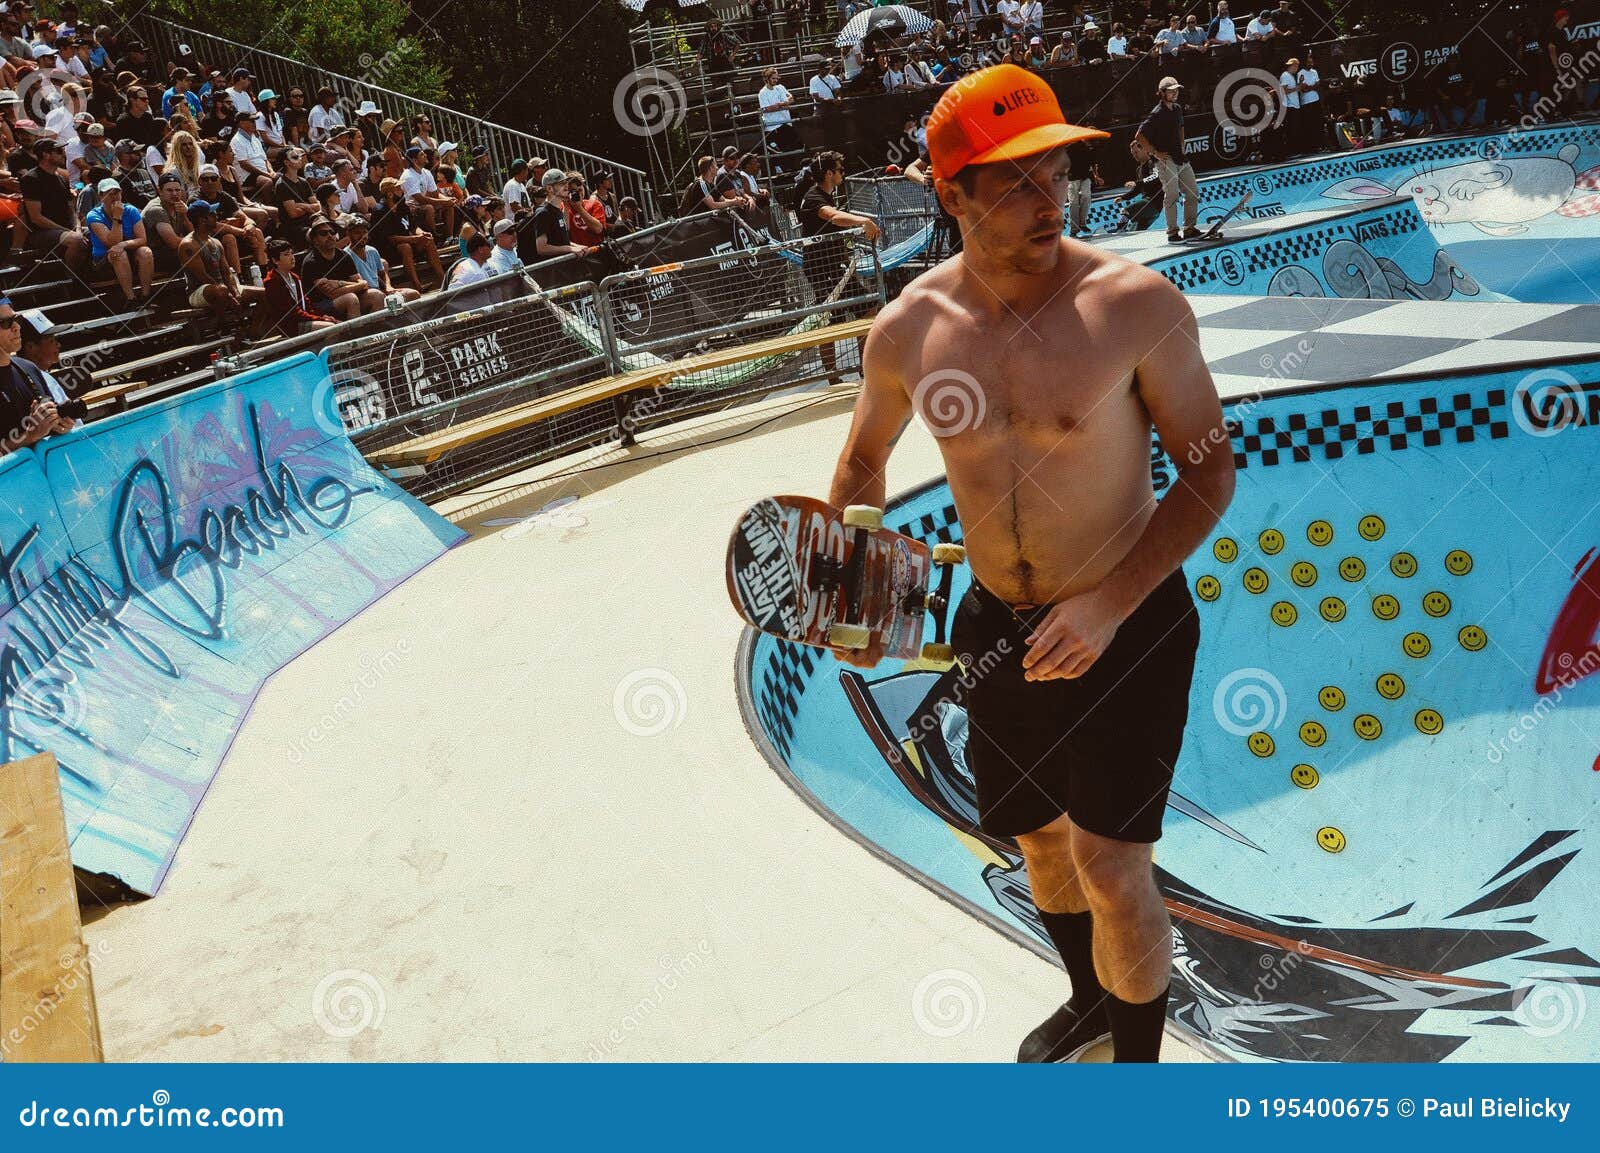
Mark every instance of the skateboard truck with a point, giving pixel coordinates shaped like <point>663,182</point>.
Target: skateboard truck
<point>848,633</point>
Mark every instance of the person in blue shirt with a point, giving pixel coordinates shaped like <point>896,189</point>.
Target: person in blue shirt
<point>181,79</point>
<point>117,241</point>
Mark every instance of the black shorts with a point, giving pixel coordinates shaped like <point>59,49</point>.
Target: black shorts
<point>1101,747</point>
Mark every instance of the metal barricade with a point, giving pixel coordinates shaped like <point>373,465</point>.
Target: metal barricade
<point>696,306</point>
<point>397,386</point>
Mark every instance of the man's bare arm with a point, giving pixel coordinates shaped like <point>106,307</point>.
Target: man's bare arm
<point>882,412</point>
<point>1176,387</point>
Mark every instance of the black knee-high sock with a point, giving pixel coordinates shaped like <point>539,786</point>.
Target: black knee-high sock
<point>1073,934</point>
<point>1136,1029</point>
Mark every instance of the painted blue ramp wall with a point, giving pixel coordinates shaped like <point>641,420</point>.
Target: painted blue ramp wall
<point>159,567</point>
<point>1384,836</point>
<point>1379,253</point>
<point>1521,211</point>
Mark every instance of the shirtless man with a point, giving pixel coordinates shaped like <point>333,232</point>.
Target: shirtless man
<point>1041,364</point>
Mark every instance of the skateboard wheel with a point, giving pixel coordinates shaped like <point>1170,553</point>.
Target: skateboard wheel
<point>935,653</point>
<point>863,516</point>
<point>945,553</point>
<point>849,636</point>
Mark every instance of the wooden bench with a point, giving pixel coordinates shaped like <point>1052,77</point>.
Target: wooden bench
<point>47,1010</point>
<point>156,359</point>
<point>429,448</point>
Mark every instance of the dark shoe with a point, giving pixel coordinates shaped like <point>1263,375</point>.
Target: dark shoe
<point>1174,237</point>
<point>1064,1036</point>
<point>1191,234</point>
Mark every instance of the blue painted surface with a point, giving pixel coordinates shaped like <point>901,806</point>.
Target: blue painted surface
<point>159,567</point>
<point>1464,888</point>
<point>1536,192</point>
<point>1384,252</point>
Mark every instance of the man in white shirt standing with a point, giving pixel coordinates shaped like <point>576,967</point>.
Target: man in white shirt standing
<point>1259,28</point>
<point>825,85</point>
<point>1313,128</point>
<point>324,119</point>
<point>515,192</point>
<point>239,92</point>
<point>775,100</point>
<point>1032,18</point>
<point>1222,29</point>
<point>1289,95</point>
<point>1010,16</point>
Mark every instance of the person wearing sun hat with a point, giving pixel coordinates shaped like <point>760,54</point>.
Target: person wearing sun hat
<point>1042,366</point>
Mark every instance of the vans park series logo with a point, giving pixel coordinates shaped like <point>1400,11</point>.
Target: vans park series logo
<point>1014,100</point>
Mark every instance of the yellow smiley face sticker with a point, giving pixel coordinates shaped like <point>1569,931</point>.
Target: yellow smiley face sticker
<point>1429,722</point>
<point>1313,734</point>
<point>1390,686</point>
<point>1371,527</point>
<point>1385,607</point>
<point>1416,645</point>
<point>1472,638</point>
<point>1403,564</point>
<point>1271,541</point>
<point>1436,604</point>
<point>1283,613</point>
<point>1208,588</point>
<point>1255,580</point>
<point>1352,568</point>
<point>1261,744</point>
<point>1457,562</point>
<point>1331,697</point>
<point>1226,549</point>
<point>1367,727</point>
<point>1319,533</point>
<point>1332,610</point>
<point>1330,839</point>
<point>1303,573</point>
<point>1304,776</point>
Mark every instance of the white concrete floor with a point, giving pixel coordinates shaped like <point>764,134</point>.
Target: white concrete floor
<point>439,836</point>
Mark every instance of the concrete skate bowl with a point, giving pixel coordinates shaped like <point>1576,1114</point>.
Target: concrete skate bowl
<point>1383,251</point>
<point>1519,211</point>
<point>1384,833</point>
<point>159,567</point>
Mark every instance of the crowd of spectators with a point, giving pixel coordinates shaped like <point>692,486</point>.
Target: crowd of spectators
<point>277,212</point>
<point>1195,41</point>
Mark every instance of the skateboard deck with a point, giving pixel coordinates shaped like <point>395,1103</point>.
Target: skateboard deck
<point>797,571</point>
<point>1213,234</point>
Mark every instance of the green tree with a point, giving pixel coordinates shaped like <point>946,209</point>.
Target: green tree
<point>372,40</point>
<point>549,67</point>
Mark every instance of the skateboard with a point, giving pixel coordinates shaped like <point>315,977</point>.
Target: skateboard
<point>1214,234</point>
<point>805,571</point>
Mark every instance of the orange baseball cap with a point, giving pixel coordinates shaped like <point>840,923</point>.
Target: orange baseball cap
<point>999,113</point>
